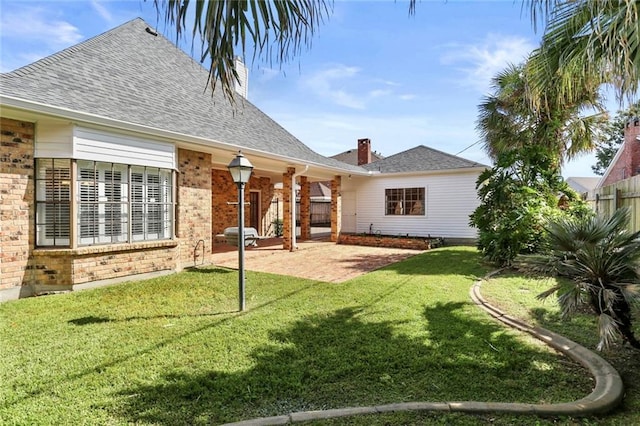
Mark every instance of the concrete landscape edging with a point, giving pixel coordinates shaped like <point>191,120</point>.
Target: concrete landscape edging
<point>606,395</point>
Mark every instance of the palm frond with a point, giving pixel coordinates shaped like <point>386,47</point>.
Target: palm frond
<point>593,41</point>
<point>548,292</point>
<point>269,29</point>
<point>607,330</point>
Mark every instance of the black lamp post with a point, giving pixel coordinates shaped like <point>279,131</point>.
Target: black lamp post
<point>240,169</point>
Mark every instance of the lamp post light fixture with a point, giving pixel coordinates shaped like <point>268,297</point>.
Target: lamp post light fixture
<point>240,168</point>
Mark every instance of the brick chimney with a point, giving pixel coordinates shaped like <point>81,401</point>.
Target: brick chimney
<point>628,163</point>
<point>364,151</point>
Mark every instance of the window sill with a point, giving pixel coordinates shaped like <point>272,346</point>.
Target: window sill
<point>107,248</point>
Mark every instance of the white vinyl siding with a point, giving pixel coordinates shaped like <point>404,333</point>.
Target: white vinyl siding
<point>55,140</point>
<point>450,199</point>
<point>90,144</point>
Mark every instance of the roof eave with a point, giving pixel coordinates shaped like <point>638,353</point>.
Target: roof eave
<point>479,169</point>
<point>73,115</point>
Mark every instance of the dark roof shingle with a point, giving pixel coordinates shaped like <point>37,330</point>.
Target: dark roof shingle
<point>130,75</point>
<point>351,157</point>
<point>420,159</point>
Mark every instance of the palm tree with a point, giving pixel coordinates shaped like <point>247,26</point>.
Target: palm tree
<point>510,119</point>
<point>597,40</point>
<point>599,259</point>
<point>275,29</point>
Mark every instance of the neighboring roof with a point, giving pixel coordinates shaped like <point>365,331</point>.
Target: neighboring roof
<point>621,151</point>
<point>583,184</point>
<point>319,189</point>
<point>421,159</point>
<point>132,76</point>
<point>351,157</point>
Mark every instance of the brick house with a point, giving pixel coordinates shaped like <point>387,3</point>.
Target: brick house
<point>113,163</point>
<point>626,162</point>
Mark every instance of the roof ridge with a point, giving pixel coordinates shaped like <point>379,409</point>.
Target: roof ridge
<point>434,150</point>
<point>448,154</point>
<point>64,53</point>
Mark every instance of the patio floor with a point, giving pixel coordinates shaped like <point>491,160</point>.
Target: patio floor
<point>316,259</point>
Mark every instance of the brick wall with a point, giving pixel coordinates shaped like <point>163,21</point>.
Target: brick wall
<point>628,163</point>
<point>262,184</point>
<point>17,207</point>
<point>193,218</point>
<point>225,191</point>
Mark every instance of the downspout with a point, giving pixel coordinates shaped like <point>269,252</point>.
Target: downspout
<point>293,206</point>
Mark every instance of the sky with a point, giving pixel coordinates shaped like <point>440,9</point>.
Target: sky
<point>372,71</point>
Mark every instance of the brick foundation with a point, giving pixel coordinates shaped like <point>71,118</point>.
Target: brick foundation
<point>390,242</point>
<point>57,269</point>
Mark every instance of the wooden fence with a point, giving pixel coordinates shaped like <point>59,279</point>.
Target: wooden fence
<point>625,193</point>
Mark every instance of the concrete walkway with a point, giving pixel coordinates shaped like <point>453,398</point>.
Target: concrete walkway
<point>606,395</point>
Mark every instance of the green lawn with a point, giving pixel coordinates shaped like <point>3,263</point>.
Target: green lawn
<point>173,350</point>
<point>517,295</point>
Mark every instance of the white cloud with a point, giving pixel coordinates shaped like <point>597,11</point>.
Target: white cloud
<point>407,97</point>
<point>327,84</point>
<point>266,74</point>
<point>346,86</point>
<point>479,63</point>
<point>102,11</point>
<point>378,93</point>
<point>42,28</point>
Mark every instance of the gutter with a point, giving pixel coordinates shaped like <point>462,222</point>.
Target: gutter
<point>293,206</point>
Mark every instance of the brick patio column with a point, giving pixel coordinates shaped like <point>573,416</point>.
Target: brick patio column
<point>336,209</point>
<point>305,208</point>
<point>287,225</point>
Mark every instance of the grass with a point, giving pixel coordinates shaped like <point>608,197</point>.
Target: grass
<point>516,294</point>
<point>173,350</point>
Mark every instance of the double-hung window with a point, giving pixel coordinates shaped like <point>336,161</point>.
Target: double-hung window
<point>114,203</point>
<point>151,203</point>
<point>102,196</point>
<point>53,202</point>
<point>404,201</point>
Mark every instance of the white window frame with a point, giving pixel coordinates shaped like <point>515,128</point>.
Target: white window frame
<point>402,202</point>
<point>103,203</point>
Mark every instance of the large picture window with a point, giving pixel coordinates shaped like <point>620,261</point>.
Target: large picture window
<point>404,201</point>
<point>115,203</point>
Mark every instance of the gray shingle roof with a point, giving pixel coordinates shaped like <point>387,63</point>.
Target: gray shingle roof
<point>351,156</point>
<point>129,75</point>
<point>420,159</point>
